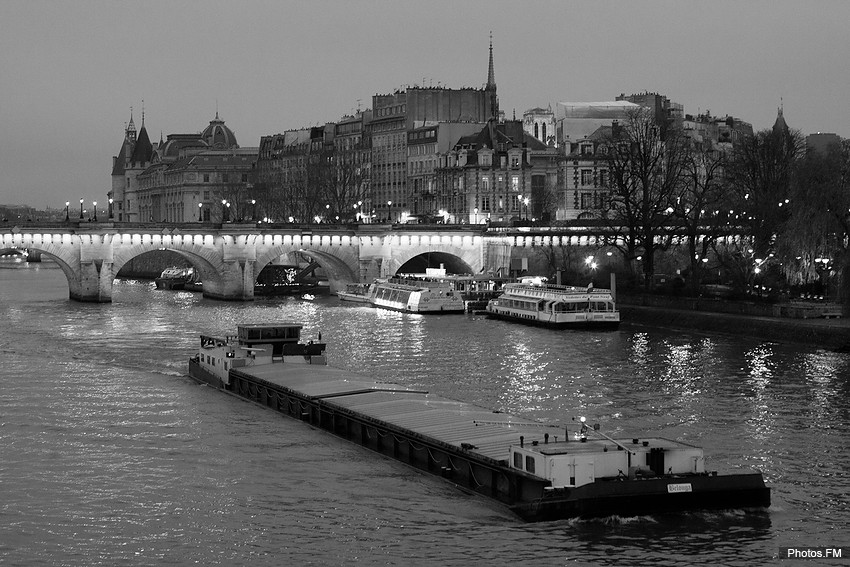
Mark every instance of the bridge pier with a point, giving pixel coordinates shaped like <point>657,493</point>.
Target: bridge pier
<point>94,283</point>
<point>236,282</point>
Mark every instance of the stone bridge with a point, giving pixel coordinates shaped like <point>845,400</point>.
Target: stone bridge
<point>229,257</point>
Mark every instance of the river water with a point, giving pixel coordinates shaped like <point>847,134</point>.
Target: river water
<point>111,455</point>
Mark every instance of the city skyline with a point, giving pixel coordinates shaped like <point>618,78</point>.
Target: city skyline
<point>73,70</point>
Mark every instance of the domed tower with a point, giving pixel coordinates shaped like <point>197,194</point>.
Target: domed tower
<point>218,136</point>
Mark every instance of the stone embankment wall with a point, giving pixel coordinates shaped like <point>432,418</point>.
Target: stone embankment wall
<point>733,318</point>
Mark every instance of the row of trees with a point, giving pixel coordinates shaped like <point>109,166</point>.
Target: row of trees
<point>324,185</point>
<point>764,205</point>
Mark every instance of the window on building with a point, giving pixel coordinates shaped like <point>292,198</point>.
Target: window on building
<point>206,178</point>
<point>529,464</point>
<point>587,200</point>
<point>485,183</point>
<point>517,461</point>
<point>603,178</point>
<point>586,176</point>
<point>485,204</point>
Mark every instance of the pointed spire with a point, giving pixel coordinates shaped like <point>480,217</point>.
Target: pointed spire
<point>780,126</point>
<point>130,132</point>
<point>143,113</point>
<point>491,75</point>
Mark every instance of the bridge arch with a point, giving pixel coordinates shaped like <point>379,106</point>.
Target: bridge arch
<point>417,263</point>
<point>338,271</point>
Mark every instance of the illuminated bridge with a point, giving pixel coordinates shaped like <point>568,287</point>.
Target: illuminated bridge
<point>229,257</point>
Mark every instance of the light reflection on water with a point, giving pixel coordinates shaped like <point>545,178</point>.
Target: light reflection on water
<point>109,453</point>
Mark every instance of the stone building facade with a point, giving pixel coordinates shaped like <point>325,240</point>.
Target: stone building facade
<point>498,174</point>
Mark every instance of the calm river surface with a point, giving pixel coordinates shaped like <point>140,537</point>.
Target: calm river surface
<point>111,455</point>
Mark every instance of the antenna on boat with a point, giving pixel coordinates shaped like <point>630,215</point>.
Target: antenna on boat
<point>595,429</point>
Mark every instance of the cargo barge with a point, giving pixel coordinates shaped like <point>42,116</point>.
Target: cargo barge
<point>541,472</point>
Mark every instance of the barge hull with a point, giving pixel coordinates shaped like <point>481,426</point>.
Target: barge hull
<point>340,404</point>
<point>650,496</point>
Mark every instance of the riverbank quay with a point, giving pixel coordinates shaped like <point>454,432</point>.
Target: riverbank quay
<point>831,333</point>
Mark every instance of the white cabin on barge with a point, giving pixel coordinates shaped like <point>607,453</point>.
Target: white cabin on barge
<point>572,464</point>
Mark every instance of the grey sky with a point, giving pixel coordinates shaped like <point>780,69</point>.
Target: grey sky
<point>70,71</point>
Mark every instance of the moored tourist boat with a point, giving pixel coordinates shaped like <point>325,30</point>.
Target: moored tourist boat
<point>417,295</point>
<point>556,306</point>
<point>540,471</point>
<point>175,277</point>
<point>357,292</point>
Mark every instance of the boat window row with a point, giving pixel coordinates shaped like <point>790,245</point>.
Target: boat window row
<point>399,295</point>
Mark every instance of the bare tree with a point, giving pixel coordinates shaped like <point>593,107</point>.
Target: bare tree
<point>645,163</point>
<point>759,172</point>
<point>702,210</point>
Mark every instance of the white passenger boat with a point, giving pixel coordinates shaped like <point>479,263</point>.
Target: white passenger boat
<point>417,295</point>
<point>175,277</point>
<point>556,306</point>
<point>357,292</point>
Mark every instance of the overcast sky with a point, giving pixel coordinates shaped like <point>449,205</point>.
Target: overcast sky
<point>70,71</point>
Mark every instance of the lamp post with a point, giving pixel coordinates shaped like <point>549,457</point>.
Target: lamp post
<point>200,212</point>
<point>390,211</point>
<point>94,206</point>
<point>224,210</point>
<point>526,208</point>
<point>81,209</point>
<point>110,207</point>
<point>67,204</point>
<point>254,209</point>
<point>475,210</point>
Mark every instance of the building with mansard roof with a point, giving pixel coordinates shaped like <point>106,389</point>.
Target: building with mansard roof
<point>396,114</point>
<point>185,178</point>
<point>498,174</point>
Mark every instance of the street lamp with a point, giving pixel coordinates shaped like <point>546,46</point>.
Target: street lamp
<point>526,208</point>
<point>224,210</point>
<point>110,207</point>
<point>390,211</point>
<point>254,212</point>
<point>200,212</point>
<point>475,210</point>
<point>67,204</point>
<point>81,209</point>
<point>94,206</point>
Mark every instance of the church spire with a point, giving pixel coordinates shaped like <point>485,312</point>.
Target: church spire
<point>491,75</point>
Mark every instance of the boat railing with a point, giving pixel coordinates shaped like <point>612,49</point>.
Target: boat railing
<point>543,290</point>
